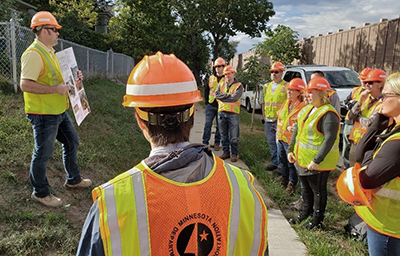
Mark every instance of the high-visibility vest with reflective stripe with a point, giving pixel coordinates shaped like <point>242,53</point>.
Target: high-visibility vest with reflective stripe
<point>358,129</point>
<point>213,84</point>
<point>233,107</point>
<point>273,102</point>
<point>386,203</point>
<point>144,213</point>
<point>355,95</point>
<point>47,104</point>
<point>309,140</point>
<point>286,118</point>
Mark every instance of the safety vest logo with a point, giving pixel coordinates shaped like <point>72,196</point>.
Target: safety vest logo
<point>195,235</point>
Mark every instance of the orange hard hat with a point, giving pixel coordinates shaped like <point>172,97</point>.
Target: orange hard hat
<point>44,18</point>
<point>161,81</point>
<point>229,69</point>
<point>296,84</point>
<point>277,66</point>
<point>350,190</point>
<point>376,75</point>
<point>219,61</point>
<point>364,73</point>
<point>318,83</point>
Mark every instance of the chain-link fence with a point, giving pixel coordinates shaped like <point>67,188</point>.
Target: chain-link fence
<point>14,40</point>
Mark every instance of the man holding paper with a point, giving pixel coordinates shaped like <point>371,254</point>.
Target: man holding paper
<point>46,102</point>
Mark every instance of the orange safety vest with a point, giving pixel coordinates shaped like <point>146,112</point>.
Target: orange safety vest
<point>286,118</point>
<point>213,84</point>
<point>358,129</point>
<point>273,102</point>
<point>233,107</point>
<point>144,213</point>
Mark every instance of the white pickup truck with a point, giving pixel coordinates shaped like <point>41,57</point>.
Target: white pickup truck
<point>247,99</point>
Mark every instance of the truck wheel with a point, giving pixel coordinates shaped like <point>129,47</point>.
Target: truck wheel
<point>248,105</point>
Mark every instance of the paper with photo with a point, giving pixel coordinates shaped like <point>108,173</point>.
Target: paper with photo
<point>77,95</point>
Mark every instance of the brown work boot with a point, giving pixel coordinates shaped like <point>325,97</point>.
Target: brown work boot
<point>284,182</point>
<point>216,147</point>
<point>271,167</point>
<point>290,189</point>
<point>234,158</point>
<point>49,200</point>
<point>83,184</point>
<point>224,156</point>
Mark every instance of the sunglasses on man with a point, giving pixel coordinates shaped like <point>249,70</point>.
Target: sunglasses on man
<point>55,30</point>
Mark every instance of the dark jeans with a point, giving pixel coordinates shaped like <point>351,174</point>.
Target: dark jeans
<point>46,129</point>
<point>314,193</point>
<point>229,128</point>
<point>382,245</point>
<point>288,170</point>
<point>211,114</point>
<point>270,133</point>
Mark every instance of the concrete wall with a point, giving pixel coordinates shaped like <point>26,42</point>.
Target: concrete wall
<point>374,46</point>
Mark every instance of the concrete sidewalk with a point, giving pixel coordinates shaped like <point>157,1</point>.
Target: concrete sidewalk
<point>282,239</point>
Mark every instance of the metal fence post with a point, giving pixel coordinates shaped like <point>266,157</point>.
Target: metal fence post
<point>13,55</point>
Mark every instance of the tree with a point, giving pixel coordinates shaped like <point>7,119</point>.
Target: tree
<point>253,73</point>
<point>223,19</point>
<point>5,10</point>
<point>280,44</point>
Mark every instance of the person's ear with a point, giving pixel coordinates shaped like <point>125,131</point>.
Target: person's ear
<point>140,122</point>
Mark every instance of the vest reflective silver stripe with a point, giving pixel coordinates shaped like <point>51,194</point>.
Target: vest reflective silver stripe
<point>389,193</point>
<point>142,218</point>
<point>235,217</point>
<point>143,225</point>
<point>113,222</point>
<point>45,55</point>
<point>314,147</point>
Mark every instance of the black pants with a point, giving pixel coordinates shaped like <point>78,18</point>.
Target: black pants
<point>315,194</point>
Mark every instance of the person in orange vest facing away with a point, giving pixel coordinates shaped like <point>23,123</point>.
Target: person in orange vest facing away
<point>212,104</point>
<point>287,119</point>
<point>379,178</point>
<point>46,104</point>
<point>228,95</point>
<point>274,95</point>
<point>181,199</point>
<point>314,149</point>
<point>365,111</point>
<point>349,102</point>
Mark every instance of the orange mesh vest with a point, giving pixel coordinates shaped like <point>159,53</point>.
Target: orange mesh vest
<point>144,213</point>
<point>286,118</point>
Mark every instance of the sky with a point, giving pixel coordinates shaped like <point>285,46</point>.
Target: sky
<point>314,17</point>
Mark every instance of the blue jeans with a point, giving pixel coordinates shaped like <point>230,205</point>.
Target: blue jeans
<point>382,245</point>
<point>288,169</point>
<point>46,129</point>
<point>211,113</point>
<point>270,133</point>
<point>229,129</point>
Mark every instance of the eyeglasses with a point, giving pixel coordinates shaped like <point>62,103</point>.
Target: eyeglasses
<point>385,95</point>
<point>219,66</point>
<point>55,30</point>
<point>275,72</point>
<point>371,82</point>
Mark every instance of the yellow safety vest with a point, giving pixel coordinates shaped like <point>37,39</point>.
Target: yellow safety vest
<point>233,107</point>
<point>286,118</point>
<point>386,203</point>
<point>46,104</point>
<point>144,213</point>
<point>358,129</point>
<point>273,102</point>
<point>355,95</point>
<point>309,140</point>
<point>213,84</point>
